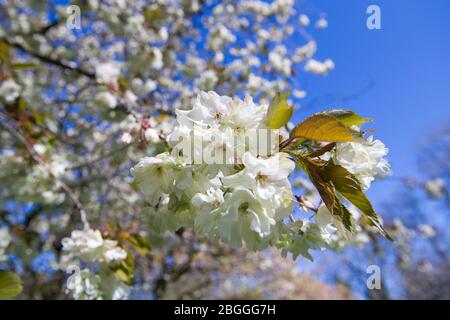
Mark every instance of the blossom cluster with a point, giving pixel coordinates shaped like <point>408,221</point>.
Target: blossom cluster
<point>436,188</point>
<point>89,247</point>
<point>247,197</point>
<point>236,203</point>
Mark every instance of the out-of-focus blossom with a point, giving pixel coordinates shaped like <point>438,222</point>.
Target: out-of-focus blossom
<point>9,90</point>
<point>436,188</point>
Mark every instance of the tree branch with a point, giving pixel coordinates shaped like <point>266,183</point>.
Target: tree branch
<point>49,60</point>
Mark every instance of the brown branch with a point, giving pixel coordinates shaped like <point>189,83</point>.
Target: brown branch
<point>49,60</point>
<point>322,150</point>
<point>285,143</point>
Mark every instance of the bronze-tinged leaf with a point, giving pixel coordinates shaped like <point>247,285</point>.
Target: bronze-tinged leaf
<point>349,187</point>
<point>10,285</point>
<point>345,217</point>
<point>324,127</point>
<point>279,111</point>
<point>348,117</point>
<point>324,187</point>
<point>327,191</point>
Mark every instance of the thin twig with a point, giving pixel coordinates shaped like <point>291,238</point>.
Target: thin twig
<point>285,143</point>
<point>48,59</point>
<point>38,159</point>
<point>105,156</point>
<point>322,150</point>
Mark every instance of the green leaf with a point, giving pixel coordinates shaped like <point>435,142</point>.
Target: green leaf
<point>21,104</point>
<point>19,66</point>
<point>349,187</point>
<point>10,285</point>
<point>152,15</point>
<point>324,127</point>
<point>123,84</point>
<point>139,243</point>
<point>4,51</point>
<point>347,117</point>
<point>279,111</point>
<point>327,191</point>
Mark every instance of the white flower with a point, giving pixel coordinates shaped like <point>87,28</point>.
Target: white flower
<point>89,245</point>
<point>114,253</point>
<point>85,286</point>
<point>107,73</point>
<point>154,175</point>
<point>160,218</point>
<point>120,291</point>
<point>220,37</point>
<point>5,240</point>
<point>427,230</point>
<point>318,67</point>
<point>263,176</point>
<point>190,180</point>
<point>304,52</point>
<point>130,98</point>
<point>244,114</point>
<point>207,205</point>
<point>219,57</point>
<point>10,90</point>
<point>436,188</point>
<point>207,80</point>
<point>150,85</point>
<point>303,19</point>
<point>83,241</point>
<point>152,135</point>
<point>126,138</point>
<point>299,94</point>
<point>51,197</point>
<point>244,218</point>
<point>39,148</point>
<point>254,82</point>
<point>365,160</point>
<point>278,60</point>
<point>156,61</point>
<point>4,237</point>
<point>219,146</point>
<point>321,23</point>
<point>106,99</point>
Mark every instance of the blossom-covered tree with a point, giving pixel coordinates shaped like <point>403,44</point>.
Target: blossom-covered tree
<point>80,107</point>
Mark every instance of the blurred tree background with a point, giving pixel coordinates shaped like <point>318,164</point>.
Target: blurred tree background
<point>79,107</point>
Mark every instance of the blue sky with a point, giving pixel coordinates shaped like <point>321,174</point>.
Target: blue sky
<point>400,74</point>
